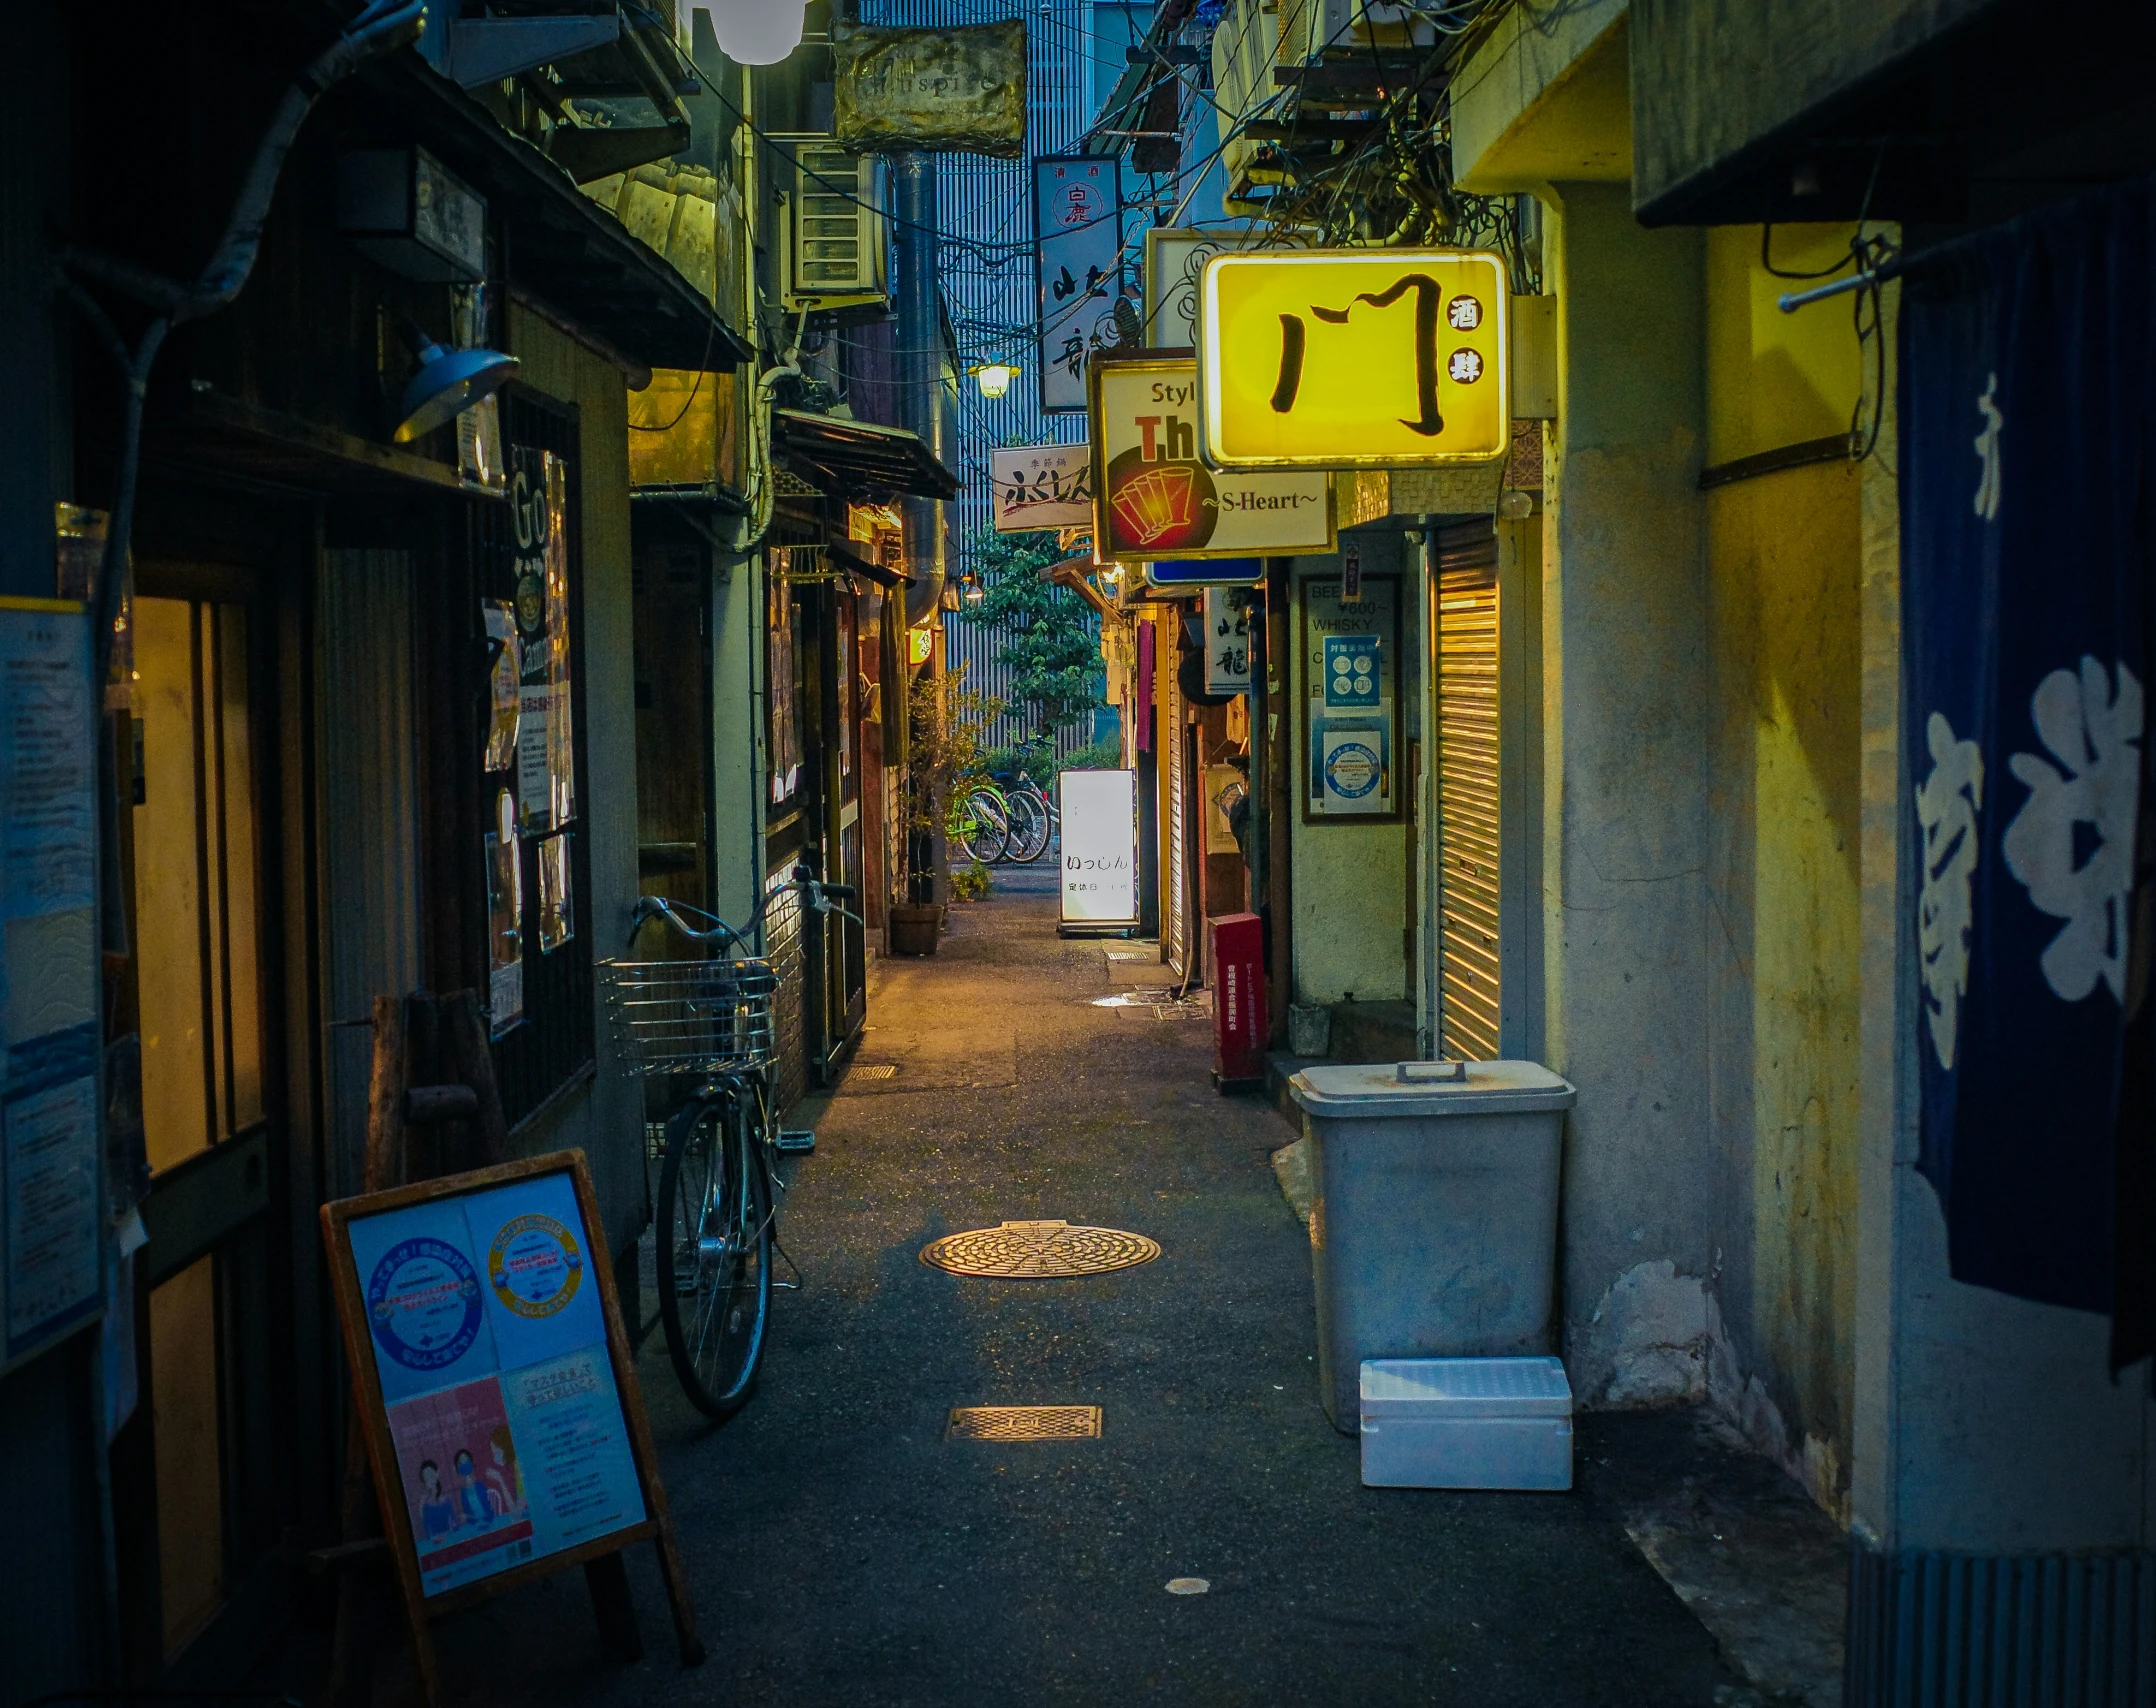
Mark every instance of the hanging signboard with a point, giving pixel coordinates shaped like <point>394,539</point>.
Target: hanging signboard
<point>1227,641</point>
<point>953,90</point>
<point>1190,574</point>
<point>496,1386</point>
<point>1173,260</point>
<point>1042,486</point>
<point>1351,696</point>
<point>1354,358</point>
<point>1078,269</point>
<point>52,1250</point>
<point>1153,498</point>
<point>1100,850</point>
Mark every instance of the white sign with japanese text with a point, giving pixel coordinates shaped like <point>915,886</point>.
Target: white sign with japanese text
<point>1079,268</point>
<point>1227,641</point>
<point>1042,486</point>
<point>1100,847</point>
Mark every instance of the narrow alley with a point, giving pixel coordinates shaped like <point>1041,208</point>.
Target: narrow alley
<point>843,1551</point>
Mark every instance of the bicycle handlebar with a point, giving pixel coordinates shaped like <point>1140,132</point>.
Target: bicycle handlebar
<point>819,894</point>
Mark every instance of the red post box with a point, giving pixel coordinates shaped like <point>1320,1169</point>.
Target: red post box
<point>1239,1025</point>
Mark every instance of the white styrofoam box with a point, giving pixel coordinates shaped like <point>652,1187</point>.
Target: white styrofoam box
<point>1466,1423</point>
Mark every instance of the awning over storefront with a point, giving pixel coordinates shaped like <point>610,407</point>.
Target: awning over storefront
<point>566,251</point>
<point>857,460</point>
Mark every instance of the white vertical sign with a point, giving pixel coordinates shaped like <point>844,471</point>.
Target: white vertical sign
<point>1078,259</point>
<point>1100,847</point>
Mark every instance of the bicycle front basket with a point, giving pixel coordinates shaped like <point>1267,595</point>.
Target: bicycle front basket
<point>691,1017</point>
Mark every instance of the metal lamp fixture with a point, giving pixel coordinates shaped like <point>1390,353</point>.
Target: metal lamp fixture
<point>448,383</point>
<point>758,32</point>
<point>994,378</point>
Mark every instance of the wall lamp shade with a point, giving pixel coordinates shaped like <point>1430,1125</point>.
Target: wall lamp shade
<point>994,378</point>
<point>448,383</point>
<point>758,32</point>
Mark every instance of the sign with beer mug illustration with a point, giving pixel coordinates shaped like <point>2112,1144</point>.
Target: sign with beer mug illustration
<point>1354,358</point>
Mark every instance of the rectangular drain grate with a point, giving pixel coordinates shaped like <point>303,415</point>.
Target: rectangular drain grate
<point>873,1070</point>
<point>1023,1423</point>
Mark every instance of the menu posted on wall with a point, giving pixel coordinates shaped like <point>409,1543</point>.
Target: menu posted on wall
<point>486,1337</point>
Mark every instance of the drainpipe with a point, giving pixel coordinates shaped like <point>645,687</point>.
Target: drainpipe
<point>919,370</point>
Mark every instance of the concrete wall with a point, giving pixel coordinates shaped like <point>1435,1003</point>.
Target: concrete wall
<point>1351,909</point>
<point>1710,76</point>
<point>606,1119</point>
<point>1784,938</point>
<point>1626,692</point>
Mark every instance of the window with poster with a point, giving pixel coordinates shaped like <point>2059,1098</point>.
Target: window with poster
<point>535,863</point>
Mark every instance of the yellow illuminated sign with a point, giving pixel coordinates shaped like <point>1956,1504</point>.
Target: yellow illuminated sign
<point>1354,358</point>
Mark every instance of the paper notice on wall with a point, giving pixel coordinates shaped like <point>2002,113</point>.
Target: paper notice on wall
<point>48,763</point>
<point>48,1160</point>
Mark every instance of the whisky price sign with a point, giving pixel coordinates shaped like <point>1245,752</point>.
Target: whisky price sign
<point>1153,499</point>
<point>1354,358</point>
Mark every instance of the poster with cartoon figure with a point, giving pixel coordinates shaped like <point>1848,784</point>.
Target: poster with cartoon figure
<point>488,1334</point>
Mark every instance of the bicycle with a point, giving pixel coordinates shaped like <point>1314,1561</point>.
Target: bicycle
<point>710,1021</point>
<point>980,826</point>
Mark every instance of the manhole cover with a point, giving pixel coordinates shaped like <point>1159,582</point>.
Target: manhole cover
<point>1038,1251</point>
<point>1023,1423</point>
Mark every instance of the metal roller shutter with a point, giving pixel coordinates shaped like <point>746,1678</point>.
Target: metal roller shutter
<point>1178,908</point>
<point>1467,761</point>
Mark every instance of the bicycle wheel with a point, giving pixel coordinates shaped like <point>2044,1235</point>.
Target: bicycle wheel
<point>981,829</point>
<point>1029,828</point>
<point>714,1254</point>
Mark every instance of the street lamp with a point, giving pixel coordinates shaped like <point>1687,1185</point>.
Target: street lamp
<point>758,32</point>
<point>994,378</point>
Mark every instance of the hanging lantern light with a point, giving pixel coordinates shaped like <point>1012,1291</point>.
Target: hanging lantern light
<point>758,32</point>
<point>994,378</point>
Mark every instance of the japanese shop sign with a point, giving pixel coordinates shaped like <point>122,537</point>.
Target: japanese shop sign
<point>1042,486</point>
<point>1100,848</point>
<point>1351,699</point>
<point>1354,358</point>
<point>951,90</point>
<point>1227,641</point>
<point>1078,268</point>
<point>1153,498</point>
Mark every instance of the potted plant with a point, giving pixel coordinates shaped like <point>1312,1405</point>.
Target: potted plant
<point>946,724</point>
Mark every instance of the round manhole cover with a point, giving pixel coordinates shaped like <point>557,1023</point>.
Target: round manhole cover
<point>1038,1251</point>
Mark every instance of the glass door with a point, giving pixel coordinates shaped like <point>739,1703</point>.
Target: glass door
<point>198,997</point>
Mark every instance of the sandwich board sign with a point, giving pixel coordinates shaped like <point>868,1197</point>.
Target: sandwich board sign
<point>496,1387</point>
<point>1100,851</point>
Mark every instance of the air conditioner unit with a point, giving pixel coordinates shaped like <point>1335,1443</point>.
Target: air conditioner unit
<point>1309,29</point>
<point>836,249</point>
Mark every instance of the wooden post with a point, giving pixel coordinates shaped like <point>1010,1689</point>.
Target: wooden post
<point>471,1062</point>
<point>351,1667</point>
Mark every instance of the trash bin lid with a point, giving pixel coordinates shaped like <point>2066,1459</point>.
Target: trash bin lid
<point>1465,1387</point>
<point>1377,1091</point>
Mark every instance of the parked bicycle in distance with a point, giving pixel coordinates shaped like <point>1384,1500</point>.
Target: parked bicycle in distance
<point>709,1021</point>
<point>994,822</point>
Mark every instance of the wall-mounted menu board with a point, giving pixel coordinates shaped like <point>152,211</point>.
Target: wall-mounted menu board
<point>496,1388</point>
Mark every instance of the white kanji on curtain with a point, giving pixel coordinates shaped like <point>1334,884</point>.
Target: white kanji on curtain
<point>2072,843</point>
<point>1947,803</point>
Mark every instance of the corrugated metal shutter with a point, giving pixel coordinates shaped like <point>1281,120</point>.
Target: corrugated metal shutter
<point>1178,906</point>
<point>1467,763</point>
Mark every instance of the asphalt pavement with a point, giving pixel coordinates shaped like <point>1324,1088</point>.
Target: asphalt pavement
<point>843,1551</point>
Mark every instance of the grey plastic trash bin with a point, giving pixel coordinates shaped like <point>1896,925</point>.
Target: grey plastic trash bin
<point>1433,1228</point>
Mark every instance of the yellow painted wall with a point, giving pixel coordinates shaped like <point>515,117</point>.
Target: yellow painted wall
<point>1785,627</point>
